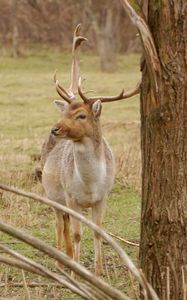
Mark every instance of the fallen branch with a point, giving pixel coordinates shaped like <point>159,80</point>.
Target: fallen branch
<point>110,291</point>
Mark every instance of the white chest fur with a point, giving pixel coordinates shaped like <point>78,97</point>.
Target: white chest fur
<point>90,175</point>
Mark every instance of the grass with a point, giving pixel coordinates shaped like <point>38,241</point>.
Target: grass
<point>26,116</point>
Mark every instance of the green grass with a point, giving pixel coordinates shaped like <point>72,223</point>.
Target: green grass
<point>26,116</point>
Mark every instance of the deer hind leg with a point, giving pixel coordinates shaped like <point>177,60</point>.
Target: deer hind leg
<point>97,216</point>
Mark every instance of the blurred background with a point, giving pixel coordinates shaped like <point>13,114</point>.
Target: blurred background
<point>35,40</point>
<point>35,24</point>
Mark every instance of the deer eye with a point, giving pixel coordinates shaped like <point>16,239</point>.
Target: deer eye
<point>82,117</point>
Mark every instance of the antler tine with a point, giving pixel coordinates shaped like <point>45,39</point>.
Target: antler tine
<point>77,40</point>
<point>69,95</point>
<point>122,95</point>
<point>81,94</point>
<point>61,91</point>
<point>60,86</point>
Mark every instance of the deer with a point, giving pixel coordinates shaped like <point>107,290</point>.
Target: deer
<point>78,163</point>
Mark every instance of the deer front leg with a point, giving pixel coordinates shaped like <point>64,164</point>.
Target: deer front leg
<point>97,216</point>
<point>63,229</point>
<point>76,227</point>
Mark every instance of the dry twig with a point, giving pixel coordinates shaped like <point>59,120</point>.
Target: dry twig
<point>167,283</point>
<point>28,296</point>
<point>133,286</point>
<point>123,240</point>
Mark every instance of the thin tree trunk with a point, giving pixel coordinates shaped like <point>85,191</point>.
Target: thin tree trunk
<point>163,247</point>
<point>107,44</point>
<point>15,31</point>
<point>106,26</point>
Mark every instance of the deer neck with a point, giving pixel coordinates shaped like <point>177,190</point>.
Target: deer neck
<point>89,156</point>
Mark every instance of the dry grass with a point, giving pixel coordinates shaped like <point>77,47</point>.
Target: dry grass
<point>26,115</point>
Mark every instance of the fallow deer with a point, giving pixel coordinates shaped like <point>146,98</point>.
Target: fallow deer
<point>78,162</point>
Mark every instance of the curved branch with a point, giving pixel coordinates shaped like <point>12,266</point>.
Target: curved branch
<point>20,265</point>
<point>150,51</point>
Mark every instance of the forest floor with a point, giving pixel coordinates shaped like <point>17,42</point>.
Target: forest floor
<point>27,113</point>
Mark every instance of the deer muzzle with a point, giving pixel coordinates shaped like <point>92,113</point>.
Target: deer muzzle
<point>59,130</point>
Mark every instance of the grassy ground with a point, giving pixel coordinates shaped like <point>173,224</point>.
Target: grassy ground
<point>26,116</point>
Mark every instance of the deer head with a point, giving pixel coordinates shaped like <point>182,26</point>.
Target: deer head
<point>80,119</point>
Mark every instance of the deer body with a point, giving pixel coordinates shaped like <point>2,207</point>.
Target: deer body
<point>79,170</point>
<point>78,164</point>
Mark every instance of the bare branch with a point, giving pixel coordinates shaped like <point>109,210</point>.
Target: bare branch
<point>32,284</point>
<point>133,286</point>
<point>32,263</point>
<point>63,258</point>
<point>84,288</point>
<point>20,265</point>
<point>150,52</point>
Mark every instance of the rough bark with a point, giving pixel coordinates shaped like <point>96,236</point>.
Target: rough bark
<point>163,247</point>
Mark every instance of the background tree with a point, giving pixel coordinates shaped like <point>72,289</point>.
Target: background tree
<point>163,248</point>
<point>29,23</point>
<point>105,18</point>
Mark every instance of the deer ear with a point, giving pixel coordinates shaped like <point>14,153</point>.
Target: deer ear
<point>61,104</point>
<point>96,108</point>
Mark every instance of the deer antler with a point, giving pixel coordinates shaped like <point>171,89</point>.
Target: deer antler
<point>122,95</point>
<point>69,95</point>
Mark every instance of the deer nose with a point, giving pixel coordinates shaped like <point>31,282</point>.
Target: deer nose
<point>55,130</point>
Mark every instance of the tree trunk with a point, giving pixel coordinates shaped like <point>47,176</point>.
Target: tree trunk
<point>15,31</point>
<point>163,247</point>
<point>106,43</point>
<point>105,16</point>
